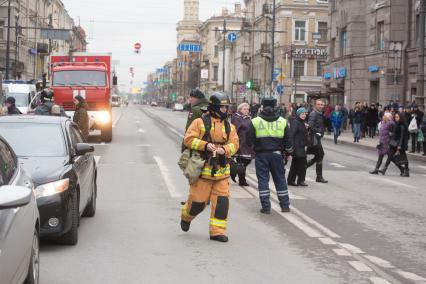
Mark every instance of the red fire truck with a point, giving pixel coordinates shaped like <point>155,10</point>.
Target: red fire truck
<point>90,76</point>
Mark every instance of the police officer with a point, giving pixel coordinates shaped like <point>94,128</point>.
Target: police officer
<point>217,141</point>
<point>198,104</point>
<point>269,136</point>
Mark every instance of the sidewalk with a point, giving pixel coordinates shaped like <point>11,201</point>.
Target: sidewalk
<point>347,138</point>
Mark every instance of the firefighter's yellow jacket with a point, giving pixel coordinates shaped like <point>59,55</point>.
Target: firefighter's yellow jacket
<point>194,140</point>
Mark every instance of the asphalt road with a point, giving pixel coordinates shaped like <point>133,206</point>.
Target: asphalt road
<point>356,229</point>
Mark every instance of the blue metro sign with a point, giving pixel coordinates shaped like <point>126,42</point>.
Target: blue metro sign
<point>189,47</point>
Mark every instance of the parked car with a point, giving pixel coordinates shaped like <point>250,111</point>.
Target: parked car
<point>19,222</point>
<point>154,104</point>
<point>64,171</point>
<point>116,101</point>
<point>178,107</point>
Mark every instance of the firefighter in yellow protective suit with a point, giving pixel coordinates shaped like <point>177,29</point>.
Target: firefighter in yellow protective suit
<point>217,141</point>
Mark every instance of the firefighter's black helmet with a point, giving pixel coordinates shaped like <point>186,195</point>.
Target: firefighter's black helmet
<point>219,99</point>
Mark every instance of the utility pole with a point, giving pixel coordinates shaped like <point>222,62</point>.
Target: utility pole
<point>16,45</point>
<point>420,94</point>
<point>224,55</point>
<point>273,47</point>
<point>8,41</point>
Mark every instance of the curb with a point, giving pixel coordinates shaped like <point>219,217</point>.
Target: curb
<point>419,158</point>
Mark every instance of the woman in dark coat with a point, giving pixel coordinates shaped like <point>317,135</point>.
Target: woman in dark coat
<point>372,120</point>
<point>242,122</point>
<point>398,147</point>
<point>299,134</point>
<point>81,117</point>
<point>385,131</point>
<point>357,121</point>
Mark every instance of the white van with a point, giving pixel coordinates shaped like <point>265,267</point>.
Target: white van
<point>23,94</point>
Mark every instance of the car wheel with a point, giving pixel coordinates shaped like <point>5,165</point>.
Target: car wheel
<point>106,133</point>
<point>34,268</point>
<point>90,209</point>
<point>71,237</point>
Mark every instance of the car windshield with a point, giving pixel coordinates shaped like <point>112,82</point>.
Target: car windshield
<point>115,99</point>
<point>22,99</point>
<point>34,140</point>
<point>79,78</point>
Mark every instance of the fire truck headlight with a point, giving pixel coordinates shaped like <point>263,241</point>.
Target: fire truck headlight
<point>104,117</point>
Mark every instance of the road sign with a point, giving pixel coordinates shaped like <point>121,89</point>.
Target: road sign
<point>316,36</point>
<point>138,46</point>
<point>189,47</point>
<point>280,89</point>
<point>232,37</point>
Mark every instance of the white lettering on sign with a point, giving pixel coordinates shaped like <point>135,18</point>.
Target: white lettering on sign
<point>310,52</point>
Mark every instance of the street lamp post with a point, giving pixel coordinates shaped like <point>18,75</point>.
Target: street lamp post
<point>8,41</point>
<point>420,94</point>
<point>273,46</point>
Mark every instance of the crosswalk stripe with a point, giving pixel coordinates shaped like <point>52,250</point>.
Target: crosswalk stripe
<point>410,276</point>
<point>360,266</point>
<point>337,165</point>
<point>341,252</point>
<point>378,280</point>
<point>166,177</point>
<point>381,262</point>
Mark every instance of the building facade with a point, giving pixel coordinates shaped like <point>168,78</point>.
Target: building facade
<point>300,47</point>
<point>373,51</point>
<point>29,50</point>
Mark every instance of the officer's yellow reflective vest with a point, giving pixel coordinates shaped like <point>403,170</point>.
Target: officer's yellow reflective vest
<point>272,129</point>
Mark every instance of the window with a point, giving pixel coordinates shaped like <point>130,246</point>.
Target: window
<point>299,30</point>
<point>75,136</point>
<point>216,51</point>
<point>215,73</point>
<point>320,69</point>
<point>343,42</point>
<point>79,78</point>
<point>380,36</point>
<point>323,31</point>
<point>333,48</point>
<point>8,164</point>
<point>1,29</point>
<point>299,68</point>
<point>47,140</point>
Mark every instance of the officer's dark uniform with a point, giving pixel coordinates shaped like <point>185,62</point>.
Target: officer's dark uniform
<point>269,136</point>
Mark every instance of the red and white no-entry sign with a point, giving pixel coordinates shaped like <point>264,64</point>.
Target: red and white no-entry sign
<point>138,46</point>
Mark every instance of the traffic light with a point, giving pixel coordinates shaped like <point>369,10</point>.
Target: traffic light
<point>249,84</point>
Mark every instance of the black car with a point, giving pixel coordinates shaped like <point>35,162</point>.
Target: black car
<point>62,167</point>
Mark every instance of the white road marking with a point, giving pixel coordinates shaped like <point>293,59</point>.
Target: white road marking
<point>380,262</point>
<point>97,159</point>
<point>311,221</point>
<point>378,280</point>
<point>410,276</point>
<point>138,122</point>
<point>176,132</point>
<point>388,181</point>
<point>360,266</point>
<point>114,124</point>
<point>239,193</point>
<point>140,130</point>
<point>352,249</point>
<point>341,252</point>
<point>422,167</point>
<point>336,165</point>
<point>166,177</point>
<point>326,241</point>
<point>143,145</point>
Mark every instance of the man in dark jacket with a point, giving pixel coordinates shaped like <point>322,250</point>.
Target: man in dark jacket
<point>372,120</point>
<point>316,126</point>
<point>299,135</point>
<point>81,117</point>
<point>418,115</point>
<point>11,106</point>
<point>270,138</point>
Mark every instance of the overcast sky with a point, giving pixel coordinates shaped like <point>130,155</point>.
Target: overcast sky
<point>115,27</point>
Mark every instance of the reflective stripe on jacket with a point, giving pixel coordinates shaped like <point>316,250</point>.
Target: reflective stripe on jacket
<point>194,140</point>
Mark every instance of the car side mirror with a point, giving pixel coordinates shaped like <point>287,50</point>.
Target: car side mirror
<point>14,196</point>
<point>83,148</point>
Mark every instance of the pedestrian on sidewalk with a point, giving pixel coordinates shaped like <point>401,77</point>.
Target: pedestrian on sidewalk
<point>418,116</point>
<point>364,111</point>
<point>81,116</point>
<point>327,118</point>
<point>398,147</point>
<point>357,121</point>
<point>270,138</point>
<point>299,137</point>
<point>242,122</point>
<point>423,129</point>
<point>345,114</point>
<point>316,133</point>
<point>385,131</point>
<point>336,122</point>
<point>372,120</point>
<point>217,141</point>
<point>11,106</point>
